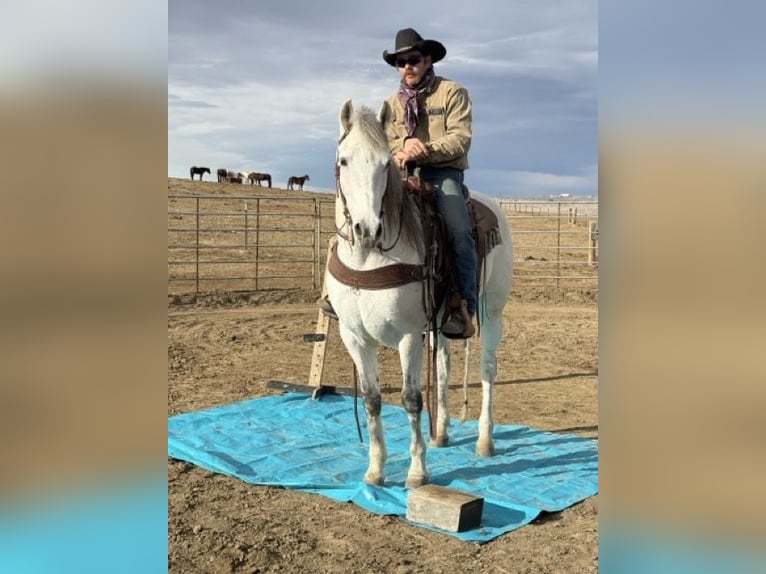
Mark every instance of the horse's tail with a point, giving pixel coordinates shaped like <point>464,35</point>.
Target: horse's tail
<point>191,173</point>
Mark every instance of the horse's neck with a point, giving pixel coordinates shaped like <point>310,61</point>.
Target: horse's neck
<point>394,249</point>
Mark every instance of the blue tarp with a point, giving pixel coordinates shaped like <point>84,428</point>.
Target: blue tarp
<point>311,445</point>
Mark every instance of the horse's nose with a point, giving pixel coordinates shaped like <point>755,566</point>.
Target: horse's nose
<point>367,239</point>
<point>361,230</point>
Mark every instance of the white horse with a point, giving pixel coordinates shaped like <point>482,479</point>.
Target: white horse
<point>378,226</point>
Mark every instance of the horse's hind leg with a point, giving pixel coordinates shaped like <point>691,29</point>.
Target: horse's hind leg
<point>411,357</point>
<point>443,375</point>
<point>491,332</point>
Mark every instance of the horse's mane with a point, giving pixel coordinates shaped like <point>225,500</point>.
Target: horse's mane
<point>398,206</point>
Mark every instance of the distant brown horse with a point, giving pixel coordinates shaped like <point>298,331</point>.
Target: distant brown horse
<point>255,177</point>
<point>233,177</point>
<point>223,174</point>
<point>299,181</point>
<point>198,171</point>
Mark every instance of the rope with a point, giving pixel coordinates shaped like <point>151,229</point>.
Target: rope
<point>356,407</point>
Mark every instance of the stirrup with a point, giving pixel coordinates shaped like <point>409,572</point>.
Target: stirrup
<point>459,325</point>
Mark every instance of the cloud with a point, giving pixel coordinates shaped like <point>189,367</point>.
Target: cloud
<point>262,83</point>
<point>178,102</point>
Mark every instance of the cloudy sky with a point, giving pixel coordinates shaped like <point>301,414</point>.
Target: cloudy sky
<point>257,86</point>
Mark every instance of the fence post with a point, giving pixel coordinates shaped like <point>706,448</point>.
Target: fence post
<point>558,246</point>
<point>245,225</point>
<point>592,242</point>
<point>317,240</point>
<point>257,238</point>
<point>196,250</point>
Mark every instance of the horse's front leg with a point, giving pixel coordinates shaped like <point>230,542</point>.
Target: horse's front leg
<point>411,356</point>
<point>369,382</point>
<point>366,360</point>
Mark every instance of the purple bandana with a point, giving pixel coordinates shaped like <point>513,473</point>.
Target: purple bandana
<point>408,96</point>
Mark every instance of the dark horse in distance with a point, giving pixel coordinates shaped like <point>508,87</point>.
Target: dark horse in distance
<point>296,180</point>
<point>198,171</point>
<point>256,177</point>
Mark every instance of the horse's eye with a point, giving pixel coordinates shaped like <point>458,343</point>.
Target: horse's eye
<point>342,161</point>
<point>388,164</point>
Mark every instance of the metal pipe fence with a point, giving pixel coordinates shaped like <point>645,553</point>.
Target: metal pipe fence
<point>554,241</point>
<point>242,243</point>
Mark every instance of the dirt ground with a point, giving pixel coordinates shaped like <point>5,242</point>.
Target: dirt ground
<point>225,346</point>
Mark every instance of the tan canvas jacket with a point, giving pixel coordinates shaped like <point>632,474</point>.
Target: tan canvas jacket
<point>444,124</point>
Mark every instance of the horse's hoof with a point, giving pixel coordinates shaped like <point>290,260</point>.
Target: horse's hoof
<point>485,449</point>
<point>440,441</point>
<point>374,479</point>
<point>416,481</point>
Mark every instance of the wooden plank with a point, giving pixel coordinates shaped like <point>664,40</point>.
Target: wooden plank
<point>316,391</point>
<point>320,350</point>
<point>320,345</point>
<point>445,508</point>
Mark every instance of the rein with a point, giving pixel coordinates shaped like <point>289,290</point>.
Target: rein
<point>399,233</point>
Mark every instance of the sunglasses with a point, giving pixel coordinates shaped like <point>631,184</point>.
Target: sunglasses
<point>413,60</point>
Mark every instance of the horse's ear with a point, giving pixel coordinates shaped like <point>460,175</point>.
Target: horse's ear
<point>385,114</point>
<point>345,116</point>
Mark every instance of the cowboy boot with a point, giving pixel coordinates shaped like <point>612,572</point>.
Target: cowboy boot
<point>459,325</point>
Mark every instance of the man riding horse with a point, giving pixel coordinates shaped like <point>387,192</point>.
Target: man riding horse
<point>431,132</point>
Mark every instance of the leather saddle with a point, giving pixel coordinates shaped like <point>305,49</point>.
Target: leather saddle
<point>484,226</point>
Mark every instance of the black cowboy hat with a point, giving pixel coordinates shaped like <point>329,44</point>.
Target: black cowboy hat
<point>408,39</point>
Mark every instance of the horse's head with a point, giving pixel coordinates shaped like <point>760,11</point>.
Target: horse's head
<point>363,168</point>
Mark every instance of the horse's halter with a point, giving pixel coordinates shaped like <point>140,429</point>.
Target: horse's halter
<point>347,214</point>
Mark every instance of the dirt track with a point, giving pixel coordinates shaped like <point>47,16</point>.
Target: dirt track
<point>224,348</point>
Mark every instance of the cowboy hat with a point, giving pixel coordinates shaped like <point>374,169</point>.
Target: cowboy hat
<point>408,39</point>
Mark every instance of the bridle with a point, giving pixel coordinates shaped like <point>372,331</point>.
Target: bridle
<point>348,223</point>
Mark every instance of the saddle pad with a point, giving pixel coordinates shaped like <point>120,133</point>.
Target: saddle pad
<point>296,442</point>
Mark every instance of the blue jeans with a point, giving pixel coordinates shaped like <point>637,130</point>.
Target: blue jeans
<point>448,185</point>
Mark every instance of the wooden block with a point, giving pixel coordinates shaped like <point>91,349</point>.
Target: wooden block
<point>445,508</point>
